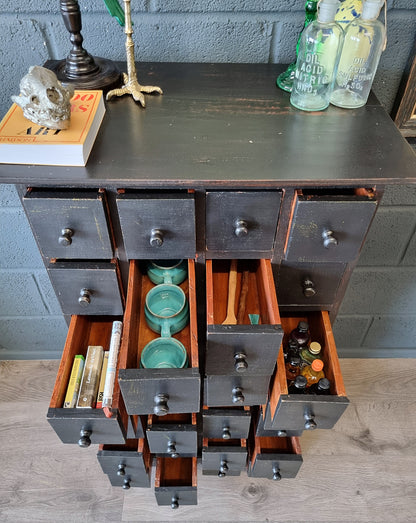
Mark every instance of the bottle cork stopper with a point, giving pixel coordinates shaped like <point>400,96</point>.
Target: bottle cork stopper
<point>317,365</point>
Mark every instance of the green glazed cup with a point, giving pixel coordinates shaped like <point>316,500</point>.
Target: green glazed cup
<point>166,309</point>
<point>164,353</point>
<point>167,271</point>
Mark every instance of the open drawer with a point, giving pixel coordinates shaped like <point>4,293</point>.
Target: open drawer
<point>173,435</point>
<point>176,481</point>
<point>81,425</point>
<point>223,458</point>
<point>274,458</point>
<point>126,465</point>
<point>308,411</point>
<point>249,346</point>
<point>157,391</point>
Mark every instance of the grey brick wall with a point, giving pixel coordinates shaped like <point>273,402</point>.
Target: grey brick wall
<point>31,31</point>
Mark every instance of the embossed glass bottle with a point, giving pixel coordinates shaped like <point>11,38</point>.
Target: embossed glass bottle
<point>316,65</point>
<point>313,372</point>
<point>362,48</point>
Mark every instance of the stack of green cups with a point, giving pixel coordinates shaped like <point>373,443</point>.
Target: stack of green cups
<point>166,312</point>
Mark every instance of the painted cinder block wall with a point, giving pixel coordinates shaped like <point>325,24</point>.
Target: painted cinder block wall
<point>378,315</point>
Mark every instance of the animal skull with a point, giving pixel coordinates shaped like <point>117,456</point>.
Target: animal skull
<point>43,98</point>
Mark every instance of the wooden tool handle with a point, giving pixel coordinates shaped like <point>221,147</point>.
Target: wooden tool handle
<point>232,286</point>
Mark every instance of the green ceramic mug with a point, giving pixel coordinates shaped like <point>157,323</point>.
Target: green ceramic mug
<point>167,271</point>
<point>164,353</point>
<point>166,309</point>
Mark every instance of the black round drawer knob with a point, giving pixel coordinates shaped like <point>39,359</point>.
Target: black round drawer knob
<point>161,404</point>
<point>281,433</point>
<point>328,239</point>
<point>121,469</point>
<point>172,450</point>
<point>84,297</point>
<point>226,434</point>
<point>309,290</point>
<point>223,469</point>
<point>238,396</point>
<point>174,503</point>
<point>240,228</point>
<point>126,484</point>
<point>310,423</point>
<point>66,237</point>
<point>276,474</point>
<point>240,362</point>
<point>84,440</point>
<point>156,238</point>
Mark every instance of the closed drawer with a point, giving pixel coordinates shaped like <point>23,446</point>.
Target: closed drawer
<point>227,423</point>
<point>308,284</point>
<point>329,228</point>
<point>224,391</point>
<point>241,223</point>
<point>157,391</point>
<point>264,420</point>
<point>308,411</point>
<point>243,348</point>
<point>176,482</point>
<point>274,458</point>
<point>222,459</point>
<point>173,435</point>
<point>126,465</point>
<point>157,225</point>
<point>69,224</point>
<point>87,287</point>
<point>79,425</point>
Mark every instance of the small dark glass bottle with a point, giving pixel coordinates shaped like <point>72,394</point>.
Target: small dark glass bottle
<point>322,387</point>
<point>298,386</point>
<point>301,334</point>
<point>292,368</point>
<point>291,349</point>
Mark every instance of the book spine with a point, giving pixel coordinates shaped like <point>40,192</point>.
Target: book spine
<point>90,377</point>
<point>112,363</point>
<point>72,391</point>
<point>100,394</point>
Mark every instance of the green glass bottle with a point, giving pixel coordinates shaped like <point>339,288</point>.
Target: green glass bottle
<point>285,79</point>
<point>308,354</point>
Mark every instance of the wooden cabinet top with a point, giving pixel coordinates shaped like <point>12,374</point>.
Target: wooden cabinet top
<point>229,124</point>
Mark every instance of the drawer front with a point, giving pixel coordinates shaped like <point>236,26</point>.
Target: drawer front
<point>224,391</point>
<point>229,461</point>
<point>176,496</point>
<point>124,468</point>
<point>160,391</point>
<point>69,225</point>
<point>232,424</point>
<point>275,466</point>
<point>295,412</point>
<point>71,426</point>
<point>237,349</point>
<point>328,230</point>
<point>172,440</point>
<point>264,427</point>
<point>86,287</point>
<point>157,226</point>
<point>242,221</point>
<point>308,284</point>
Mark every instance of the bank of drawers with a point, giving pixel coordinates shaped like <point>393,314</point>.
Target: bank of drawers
<point>154,412</point>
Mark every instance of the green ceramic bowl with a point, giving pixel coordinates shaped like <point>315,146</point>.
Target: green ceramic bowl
<point>166,309</point>
<point>164,353</point>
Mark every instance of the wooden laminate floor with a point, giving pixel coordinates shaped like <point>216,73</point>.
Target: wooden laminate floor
<point>362,470</point>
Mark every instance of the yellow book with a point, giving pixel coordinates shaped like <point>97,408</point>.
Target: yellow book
<point>23,142</point>
<point>100,394</point>
<point>74,382</point>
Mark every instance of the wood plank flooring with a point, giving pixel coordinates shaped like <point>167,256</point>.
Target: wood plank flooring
<point>364,470</point>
